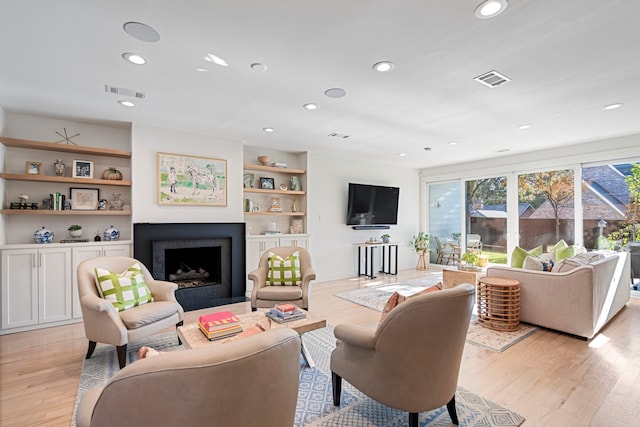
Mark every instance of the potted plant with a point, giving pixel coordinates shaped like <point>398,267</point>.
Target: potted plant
<point>420,244</point>
<point>75,230</point>
<point>469,261</point>
<point>385,238</point>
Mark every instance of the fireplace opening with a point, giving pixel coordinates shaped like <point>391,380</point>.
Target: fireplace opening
<point>192,267</point>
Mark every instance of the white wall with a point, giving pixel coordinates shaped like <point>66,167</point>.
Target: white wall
<point>147,141</point>
<point>332,241</point>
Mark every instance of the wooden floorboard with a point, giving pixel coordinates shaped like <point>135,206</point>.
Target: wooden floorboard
<point>550,378</point>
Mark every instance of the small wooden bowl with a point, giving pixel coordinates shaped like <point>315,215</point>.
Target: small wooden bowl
<point>265,160</point>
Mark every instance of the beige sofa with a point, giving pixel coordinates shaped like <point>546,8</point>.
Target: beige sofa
<point>579,302</point>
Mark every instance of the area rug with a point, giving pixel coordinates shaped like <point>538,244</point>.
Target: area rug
<point>376,298</point>
<point>315,403</point>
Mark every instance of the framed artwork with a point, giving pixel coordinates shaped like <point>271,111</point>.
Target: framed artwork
<point>267,184</point>
<point>84,199</point>
<point>191,180</point>
<point>33,168</point>
<point>82,169</point>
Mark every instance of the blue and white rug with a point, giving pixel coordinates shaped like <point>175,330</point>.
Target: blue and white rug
<point>315,402</point>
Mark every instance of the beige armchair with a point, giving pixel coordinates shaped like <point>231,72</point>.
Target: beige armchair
<point>412,359</point>
<point>103,323</point>
<point>263,296</point>
<point>216,385</point>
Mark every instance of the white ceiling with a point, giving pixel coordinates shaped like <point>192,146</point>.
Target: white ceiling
<point>567,59</point>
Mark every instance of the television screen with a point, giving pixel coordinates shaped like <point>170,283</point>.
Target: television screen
<point>372,204</point>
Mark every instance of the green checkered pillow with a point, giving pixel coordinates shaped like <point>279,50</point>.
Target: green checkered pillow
<point>284,271</point>
<point>124,290</point>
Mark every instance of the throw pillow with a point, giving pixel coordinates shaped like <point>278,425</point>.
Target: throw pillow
<point>538,264</point>
<point>124,290</point>
<point>518,255</point>
<point>563,253</point>
<point>566,265</point>
<point>284,271</point>
<point>560,245</point>
<point>589,257</point>
<point>396,299</point>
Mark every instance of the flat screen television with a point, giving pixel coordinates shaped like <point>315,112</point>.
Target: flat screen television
<point>372,205</point>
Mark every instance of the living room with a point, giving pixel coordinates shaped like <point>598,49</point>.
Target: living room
<point>329,170</point>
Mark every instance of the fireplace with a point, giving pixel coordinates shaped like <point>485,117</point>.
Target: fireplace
<point>206,260</point>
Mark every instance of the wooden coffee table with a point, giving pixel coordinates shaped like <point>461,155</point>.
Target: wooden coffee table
<point>192,337</point>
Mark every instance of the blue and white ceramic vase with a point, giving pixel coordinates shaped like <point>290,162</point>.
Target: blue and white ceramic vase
<point>111,233</point>
<point>44,235</point>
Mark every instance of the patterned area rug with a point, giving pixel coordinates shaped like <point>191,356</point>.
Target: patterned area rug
<point>315,403</point>
<point>376,298</point>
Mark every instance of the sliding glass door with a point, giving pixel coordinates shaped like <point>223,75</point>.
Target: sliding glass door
<point>486,218</point>
<point>445,218</point>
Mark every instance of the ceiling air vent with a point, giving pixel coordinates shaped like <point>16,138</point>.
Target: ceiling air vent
<point>338,135</point>
<point>124,92</point>
<point>492,78</point>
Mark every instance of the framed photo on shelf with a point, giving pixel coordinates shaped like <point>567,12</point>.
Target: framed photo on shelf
<point>82,169</point>
<point>84,199</point>
<point>267,184</point>
<point>33,168</point>
<point>191,180</point>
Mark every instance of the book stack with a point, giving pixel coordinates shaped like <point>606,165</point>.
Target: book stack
<point>286,313</point>
<point>222,324</point>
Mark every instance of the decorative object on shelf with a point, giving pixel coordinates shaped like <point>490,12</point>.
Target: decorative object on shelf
<point>23,198</point>
<point>283,187</point>
<point>33,168</point>
<point>66,137</point>
<point>82,169</point>
<point>295,184</point>
<point>75,230</point>
<point>385,238</point>
<point>297,226</point>
<point>190,180</point>
<point>267,183</point>
<point>275,205</point>
<point>103,204</point>
<point>111,233</point>
<point>19,205</point>
<point>84,199</point>
<point>248,180</point>
<point>46,204</point>
<point>420,244</point>
<point>44,235</point>
<point>265,160</point>
<point>294,207</point>
<point>97,238</point>
<point>278,165</point>
<point>112,174</point>
<point>59,166</point>
<point>116,204</point>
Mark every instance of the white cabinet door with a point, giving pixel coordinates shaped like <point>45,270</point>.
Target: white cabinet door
<point>255,249</point>
<point>302,241</point>
<point>19,288</point>
<point>117,250</point>
<point>54,284</point>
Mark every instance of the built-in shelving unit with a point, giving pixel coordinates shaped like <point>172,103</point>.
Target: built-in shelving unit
<point>274,171</point>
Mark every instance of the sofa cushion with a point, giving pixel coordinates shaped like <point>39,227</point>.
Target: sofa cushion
<point>567,264</point>
<point>124,290</point>
<point>518,255</point>
<point>590,257</point>
<point>541,263</point>
<point>284,271</point>
<point>147,314</point>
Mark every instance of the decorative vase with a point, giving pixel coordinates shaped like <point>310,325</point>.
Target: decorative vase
<point>59,167</point>
<point>111,233</point>
<point>385,240</point>
<point>112,174</point>
<point>423,261</point>
<point>75,233</point>
<point>116,204</point>
<point>44,235</point>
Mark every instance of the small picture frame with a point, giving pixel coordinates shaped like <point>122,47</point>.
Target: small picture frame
<point>33,168</point>
<point>275,204</point>
<point>82,169</point>
<point>267,184</point>
<point>84,199</point>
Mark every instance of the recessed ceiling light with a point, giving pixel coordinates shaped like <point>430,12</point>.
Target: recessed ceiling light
<point>127,103</point>
<point>383,66</point>
<point>202,70</point>
<point>141,31</point>
<point>310,106</point>
<point>490,8</point>
<point>612,106</point>
<point>268,129</point>
<point>523,127</point>
<point>335,92</point>
<point>402,154</point>
<point>210,57</point>
<point>134,58</point>
<point>452,143</point>
<point>256,66</point>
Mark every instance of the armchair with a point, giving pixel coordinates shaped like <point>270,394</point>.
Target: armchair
<point>447,251</point>
<point>265,296</point>
<point>474,243</point>
<point>411,361</point>
<point>253,381</point>
<point>104,323</point>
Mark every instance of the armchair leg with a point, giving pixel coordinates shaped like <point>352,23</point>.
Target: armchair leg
<point>180,323</point>
<point>413,419</point>
<point>122,355</point>
<point>91,349</point>
<point>336,383</point>
<point>451,407</point>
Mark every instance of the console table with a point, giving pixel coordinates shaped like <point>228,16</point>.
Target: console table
<point>389,258</point>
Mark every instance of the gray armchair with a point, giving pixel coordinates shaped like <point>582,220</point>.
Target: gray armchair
<point>253,381</point>
<point>103,323</point>
<point>411,361</point>
<point>263,296</point>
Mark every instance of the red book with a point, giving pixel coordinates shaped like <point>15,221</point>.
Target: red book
<point>218,320</point>
<point>286,308</point>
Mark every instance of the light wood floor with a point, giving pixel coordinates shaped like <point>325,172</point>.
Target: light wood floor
<point>550,378</point>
